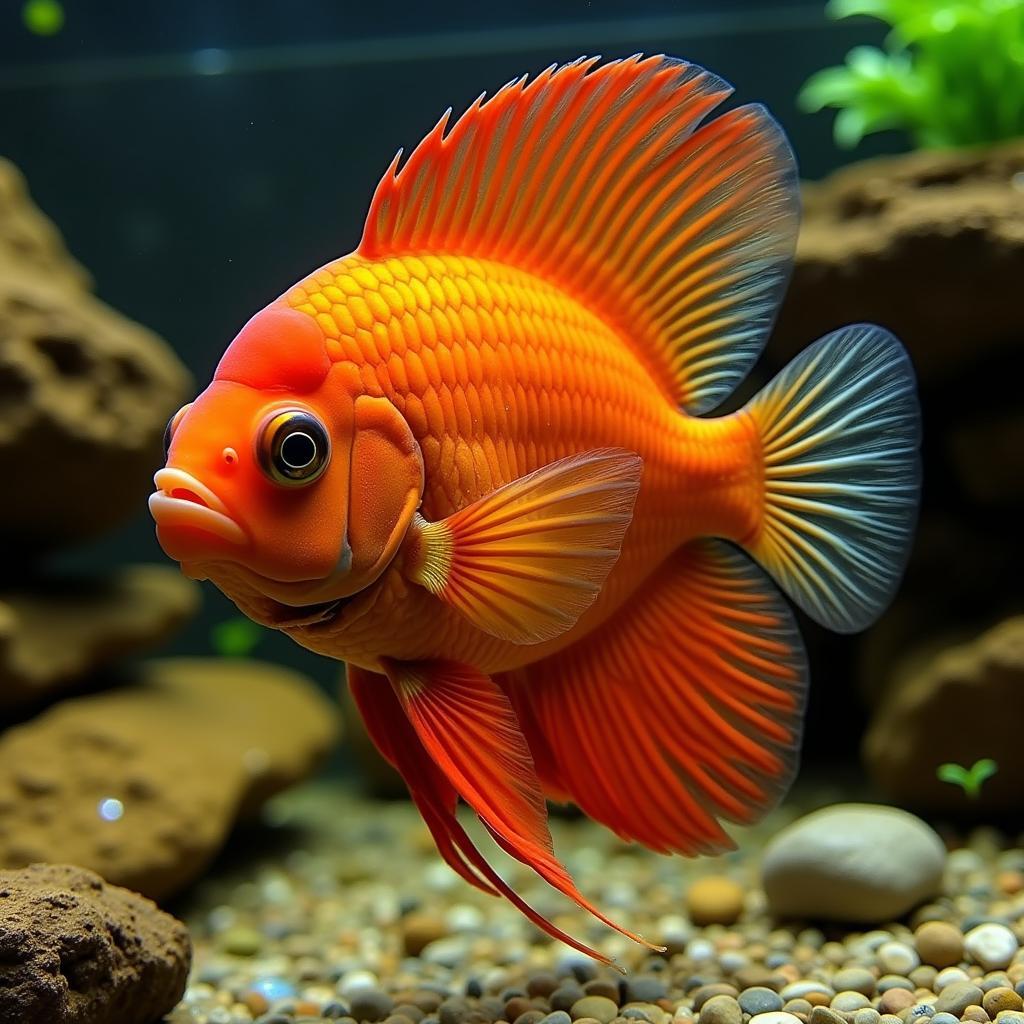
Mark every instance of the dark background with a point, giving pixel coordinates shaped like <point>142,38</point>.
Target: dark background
<point>199,156</point>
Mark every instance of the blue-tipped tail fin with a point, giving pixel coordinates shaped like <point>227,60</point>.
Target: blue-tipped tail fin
<point>840,431</point>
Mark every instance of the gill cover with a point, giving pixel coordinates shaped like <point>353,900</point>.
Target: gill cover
<point>385,487</point>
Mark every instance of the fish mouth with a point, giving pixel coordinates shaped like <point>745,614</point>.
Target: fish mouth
<point>181,500</point>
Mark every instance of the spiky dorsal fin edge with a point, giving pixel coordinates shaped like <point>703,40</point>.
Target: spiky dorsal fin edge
<point>606,180</point>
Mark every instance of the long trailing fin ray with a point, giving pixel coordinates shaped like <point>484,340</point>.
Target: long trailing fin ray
<point>840,432</point>
<point>394,738</point>
<point>467,726</point>
<point>603,179</point>
<point>435,798</point>
<point>701,684</point>
<point>526,561</point>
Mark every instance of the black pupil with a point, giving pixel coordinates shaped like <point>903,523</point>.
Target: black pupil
<point>298,450</point>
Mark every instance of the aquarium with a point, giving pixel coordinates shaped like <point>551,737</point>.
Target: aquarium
<point>512,514</point>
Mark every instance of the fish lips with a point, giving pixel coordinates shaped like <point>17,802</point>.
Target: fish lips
<point>192,523</point>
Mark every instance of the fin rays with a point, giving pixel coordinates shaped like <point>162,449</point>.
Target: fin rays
<point>602,179</point>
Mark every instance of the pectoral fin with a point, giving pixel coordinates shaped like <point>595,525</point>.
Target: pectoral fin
<point>525,562</point>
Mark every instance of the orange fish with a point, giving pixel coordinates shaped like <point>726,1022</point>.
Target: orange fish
<point>474,460</point>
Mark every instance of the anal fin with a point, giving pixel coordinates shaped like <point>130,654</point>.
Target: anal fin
<point>685,711</point>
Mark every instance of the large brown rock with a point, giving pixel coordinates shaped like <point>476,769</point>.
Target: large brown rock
<point>85,393</point>
<point>955,706</point>
<point>55,632</point>
<point>28,237</point>
<point>74,950</point>
<point>143,783</point>
<point>930,244</point>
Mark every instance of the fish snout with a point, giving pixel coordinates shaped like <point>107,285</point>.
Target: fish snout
<point>182,505</point>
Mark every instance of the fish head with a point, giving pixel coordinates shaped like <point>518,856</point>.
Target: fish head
<point>284,481</point>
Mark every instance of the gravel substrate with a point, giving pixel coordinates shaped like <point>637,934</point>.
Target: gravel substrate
<point>353,917</point>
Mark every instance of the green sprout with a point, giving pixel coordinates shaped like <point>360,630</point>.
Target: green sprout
<point>968,779</point>
<point>235,638</point>
<point>43,17</point>
<point>951,73</point>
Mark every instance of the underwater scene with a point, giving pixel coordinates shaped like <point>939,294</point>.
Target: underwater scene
<point>512,514</point>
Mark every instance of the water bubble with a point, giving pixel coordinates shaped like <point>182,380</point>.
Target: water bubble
<point>110,809</point>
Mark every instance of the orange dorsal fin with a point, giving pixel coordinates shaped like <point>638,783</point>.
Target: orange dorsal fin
<point>601,179</point>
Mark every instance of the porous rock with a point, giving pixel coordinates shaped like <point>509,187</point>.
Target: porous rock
<point>920,243</point>
<point>56,631</point>
<point>852,862</point>
<point>921,724</point>
<point>85,393</point>
<point>76,950</point>
<point>142,783</point>
<point>29,238</point>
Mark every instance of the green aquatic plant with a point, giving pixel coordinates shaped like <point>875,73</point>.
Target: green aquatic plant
<point>968,779</point>
<point>951,73</point>
<point>235,638</point>
<point>43,17</point>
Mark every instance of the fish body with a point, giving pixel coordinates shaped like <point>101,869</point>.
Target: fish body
<point>477,461</point>
<point>498,373</point>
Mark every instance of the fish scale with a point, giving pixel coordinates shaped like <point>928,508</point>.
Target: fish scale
<point>564,379</point>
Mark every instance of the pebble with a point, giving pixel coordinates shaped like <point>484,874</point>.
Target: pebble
<point>852,862</point>
<point>897,957</point>
<point>599,1008</point>
<point>991,945</point>
<point>949,976</point>
<point>866,1015</point>
<point>855,979</point>
<point>645,988</point>
<point>776,1017</point>
<point>939,943</point>
<point>801,989</point>
<point>759,1001</point>
<point>721,1009</point>
<point>996,1000</point>
<point>715,899</point>
<point>956,997</point>
<point>565,995</point>
<point>557,1017</point>
<point>825,1015</point>
<point>240,940</point>
<point>847,1002</point>
<point>419,930</point>
<point>706,992</point>
<point>370,1004</point>
<point>888,981</point>
<point>894,1000</point>
<point>942,1017</point>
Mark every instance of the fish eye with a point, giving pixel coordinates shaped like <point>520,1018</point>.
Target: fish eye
<point>293,448</point>
<point>172,426</point>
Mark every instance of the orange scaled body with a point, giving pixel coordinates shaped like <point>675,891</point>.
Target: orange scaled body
<point>475,461</point>
<point>498,373</point>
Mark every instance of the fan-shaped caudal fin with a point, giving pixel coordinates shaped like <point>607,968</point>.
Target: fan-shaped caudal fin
<point>700,684</point>
<point>466,725</point>
<point>840,430</point>
<point>600,179</point>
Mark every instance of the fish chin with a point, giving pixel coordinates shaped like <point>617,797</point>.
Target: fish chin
<point>247,589</point>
